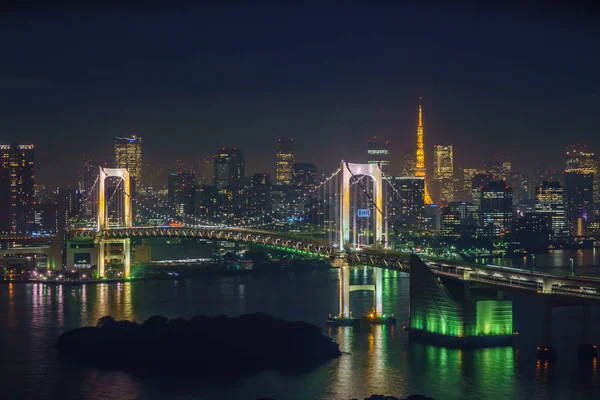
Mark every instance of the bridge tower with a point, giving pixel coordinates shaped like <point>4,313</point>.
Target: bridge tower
<point>102,224</point>
<point>351,169</point>
<point>96,249</point>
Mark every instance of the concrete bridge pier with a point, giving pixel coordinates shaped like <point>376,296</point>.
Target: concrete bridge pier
<point>586,349</point>
<point>344,274</point>
<point>101,257</point>
<point>345,315</point>
<point>545,351</point>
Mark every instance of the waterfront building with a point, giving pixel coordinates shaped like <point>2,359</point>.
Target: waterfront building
<point>550,200</point>
<point>16,188</point>
<point>406,206</point>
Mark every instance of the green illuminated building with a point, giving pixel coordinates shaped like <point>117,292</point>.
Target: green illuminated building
<point>455,313</point>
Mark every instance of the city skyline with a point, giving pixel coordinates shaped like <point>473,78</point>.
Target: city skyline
<point>314,89</point>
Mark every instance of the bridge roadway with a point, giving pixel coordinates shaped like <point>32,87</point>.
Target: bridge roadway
<point>497,276</point>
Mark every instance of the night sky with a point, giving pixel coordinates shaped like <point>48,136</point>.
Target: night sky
<point>495,81</point>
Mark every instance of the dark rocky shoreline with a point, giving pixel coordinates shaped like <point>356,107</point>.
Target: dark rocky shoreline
<point>219,346</point>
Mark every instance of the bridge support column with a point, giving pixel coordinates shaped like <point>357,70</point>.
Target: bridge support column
<point>344,274</point>
<point>101,258</point>
<point>378,292</point>
<point>546,351</point>
<point>586,350</point>
<point>546,285</point>
<point>127,258</point>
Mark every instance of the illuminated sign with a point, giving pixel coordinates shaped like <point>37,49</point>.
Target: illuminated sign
<point>364,213</point>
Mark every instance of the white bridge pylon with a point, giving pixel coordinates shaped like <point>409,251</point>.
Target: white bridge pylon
<point>351,169</point>
<point>102,206</point>
<point>103,219</point>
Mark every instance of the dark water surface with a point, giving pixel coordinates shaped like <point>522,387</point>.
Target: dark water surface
<point>381,359</point>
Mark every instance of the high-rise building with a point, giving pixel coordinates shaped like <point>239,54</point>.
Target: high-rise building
<point>16,188</point>
<point>500,170</point>
<point>128,154</point>
<point>550,200</point>
<point>406,202</point>
<point>496,209</point>
<point>477,184</point>
<point>182,193</point>
<point>450,222</point>
<point>579,160</point>
<point>468,175</point>
<point>305,176</point>
<point>230,168</point>
<point>420,168</point>
<point>407,163</point>
<point>579,188</point>
<point>378,153</point>
<point>285,161</point>
<point>259,198</point>
<point>443,172</point>
<point>69,203</point>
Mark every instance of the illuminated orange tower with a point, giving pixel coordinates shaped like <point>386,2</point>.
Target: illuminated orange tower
<point>420,170</point>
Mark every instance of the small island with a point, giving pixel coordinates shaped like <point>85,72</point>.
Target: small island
<point>221,346</point>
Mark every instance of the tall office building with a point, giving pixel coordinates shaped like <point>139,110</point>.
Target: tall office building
<point>420,169</point>
<point>378,153</point>
<point>580,161</point>
<point>406,207</point>
<point>16,188</point>
<point>468,175</point>
<point>579,188</point>
<point>128,154</point>
<point>407,163</point>
<point>500,170</point>
<point>550,200</point>
<point>478,182</point>
<point>285,162</point>
<point>182,193</point>
<point>259,198</point>
<point>305,176</point>
<point>443,172</point>
<point>229,168</point>
<point>450,222</point>
<point>495,209</point>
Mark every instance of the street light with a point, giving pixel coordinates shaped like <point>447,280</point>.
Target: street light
<point>533,263</point>
<point>572,270</point>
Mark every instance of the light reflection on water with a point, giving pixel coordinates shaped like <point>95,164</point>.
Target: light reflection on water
<point>380,359</point>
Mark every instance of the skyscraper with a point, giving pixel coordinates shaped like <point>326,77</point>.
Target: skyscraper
<point>285,162</point>
<point>468,175</point>
<point>16,188</point>
<point>305,176</point>
<point>496,209</point>
<point>259,198</point>
<point>420,169</point>
<point>378,153</point>
<point>229,168</point>
<point>580,161</point>
<point>443,172</point>
<point>182,193</point>
<point>407,163</point>
<point>550,200</point>
<point>406,206</point>
<point>128,154</point>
